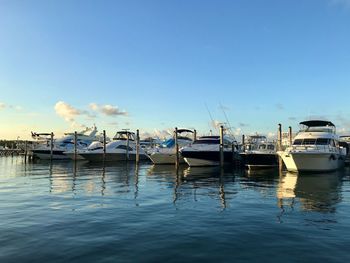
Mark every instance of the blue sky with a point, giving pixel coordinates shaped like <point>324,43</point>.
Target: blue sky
<point>154,65</point>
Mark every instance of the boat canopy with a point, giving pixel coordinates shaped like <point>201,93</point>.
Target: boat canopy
<point>184,130</point>
<point>317,123</point>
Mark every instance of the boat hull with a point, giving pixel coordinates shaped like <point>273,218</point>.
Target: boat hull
<point>312,162</point>
<point>206,158</point>
<point>46,155</point>
<point>112,157</point>
<point>165,158</point>
<point>260,160</point>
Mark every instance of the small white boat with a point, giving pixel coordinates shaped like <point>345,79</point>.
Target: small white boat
<point>315,149</point>
<point>166,152</point>
<point>122,148</point>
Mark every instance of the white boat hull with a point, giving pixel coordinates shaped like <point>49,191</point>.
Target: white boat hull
<point>165,158</point>
<point>312,161</point>
<point>47,155</point>
<point>200,162</point>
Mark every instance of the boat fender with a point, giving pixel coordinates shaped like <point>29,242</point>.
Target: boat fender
<point>332,157</point>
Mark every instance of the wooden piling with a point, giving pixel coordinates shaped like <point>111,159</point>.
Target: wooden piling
<point>194,135</point>
<point>290,135</point>
<point>221,146</point>
<point>104,145</point>
<point>137,146</point>
<point>176,148</point>
<point>51,146</point>
<point>279,137</point>
<point>75,145</point>
<point>25,151</point>
<point>127,146</point>
<point>243,143</point>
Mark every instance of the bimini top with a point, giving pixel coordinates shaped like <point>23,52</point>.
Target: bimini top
<point>317,123</point>
<point>184,130</point>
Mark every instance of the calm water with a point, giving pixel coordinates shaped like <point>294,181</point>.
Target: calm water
<point>123,213</point>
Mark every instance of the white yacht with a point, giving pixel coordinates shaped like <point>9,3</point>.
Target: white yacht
<point>166,152</point>
<point>205,151</point>
<point>42,149</point>
<point>121,148</point>
<point>315,148</point>
<point>259,153</point>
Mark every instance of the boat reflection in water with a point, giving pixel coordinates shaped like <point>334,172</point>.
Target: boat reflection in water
<point>314,192</point>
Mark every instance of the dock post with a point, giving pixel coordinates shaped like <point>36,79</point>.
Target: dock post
<point>279,148</point>
<point>222,146</point>
<point>176,148</point>
<point>51,146</point>
<point>194,134</point>
<point>279,137</point>
<point>75,145</point>
<point>290,136</point>
<point>137,146</point>
<point>127,146</point>
<point>25,151</point>
<point>104,145</point>
<point>243,143</point>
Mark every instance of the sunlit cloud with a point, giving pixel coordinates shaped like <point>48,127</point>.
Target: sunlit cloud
<point>66,111</point>
<point>107,109</point>
<point>2,105</point>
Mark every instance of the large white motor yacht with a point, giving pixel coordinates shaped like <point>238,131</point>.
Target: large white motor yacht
<point>122,148</point>
<point>42,149</point>
<point>315,148</point>
<point>166,152</point>
<point>205,151</point>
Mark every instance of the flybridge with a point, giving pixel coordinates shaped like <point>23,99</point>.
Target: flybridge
<point>317,126</point>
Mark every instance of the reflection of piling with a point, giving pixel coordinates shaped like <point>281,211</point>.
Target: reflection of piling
<point>221,146</point>
<point>75,145</point>
<point>176,148</point>
<point>290,135</point>
<point>194,135</point>
<point>137,146</point>
<point>51,146</point>
<point>104,145</point>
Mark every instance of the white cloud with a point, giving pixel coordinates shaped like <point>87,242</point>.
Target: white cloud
<point>66,111</point>
<point>107,109</point>
<point>110,110</point>
<point>2,105</point>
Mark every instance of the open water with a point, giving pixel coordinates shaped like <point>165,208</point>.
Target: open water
<point>66,212</point>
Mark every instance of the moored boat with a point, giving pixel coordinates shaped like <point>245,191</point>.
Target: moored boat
<point>315,148</point>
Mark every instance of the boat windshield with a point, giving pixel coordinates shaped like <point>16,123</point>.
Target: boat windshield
<point>318,141</point>
<point>168,143</point>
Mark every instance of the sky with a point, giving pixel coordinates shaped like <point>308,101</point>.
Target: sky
<point>154,65</point>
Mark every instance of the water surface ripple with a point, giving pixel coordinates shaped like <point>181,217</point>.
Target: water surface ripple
<point>62,211</point>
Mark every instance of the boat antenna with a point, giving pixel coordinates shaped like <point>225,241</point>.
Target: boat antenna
<point>211,117</point>
<point>227,121</point>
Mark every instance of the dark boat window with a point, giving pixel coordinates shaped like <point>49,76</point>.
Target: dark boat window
<point>322,141</point>
<point>262,147</point>
<point>297,142</point>
<point>271,147</point>
<point>309,141</point>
